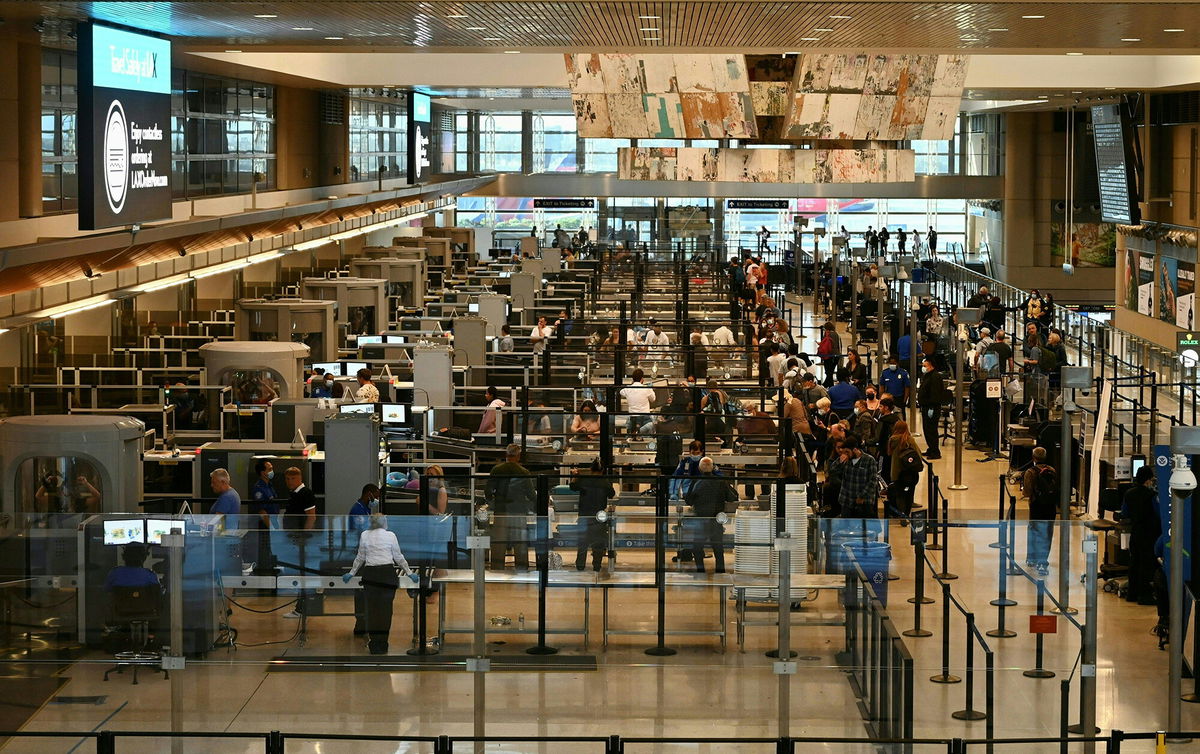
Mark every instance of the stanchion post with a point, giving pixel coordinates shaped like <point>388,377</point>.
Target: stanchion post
<point>999,543</point>
<point>918,533</point>
<point>970,713</point>
<point>543,564</point>
<point>931,504</point>
<point>960,339</point>
<point>660,566</point>
<point>1038,671</point>
<point>945,574</point>
<point>944,676</point>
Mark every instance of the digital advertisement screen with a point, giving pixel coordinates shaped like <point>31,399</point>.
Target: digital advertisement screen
<point>419,117</point>
<point>1117,203</point>
<point>124,129</point>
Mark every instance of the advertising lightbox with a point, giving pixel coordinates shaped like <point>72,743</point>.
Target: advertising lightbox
<point>124,129</point>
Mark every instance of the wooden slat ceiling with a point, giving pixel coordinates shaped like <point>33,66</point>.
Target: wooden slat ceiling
<point>581,25</point>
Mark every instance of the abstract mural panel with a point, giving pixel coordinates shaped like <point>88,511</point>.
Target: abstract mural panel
<point>766,165</point>
<point>664,96</point>
<point>856,96</point>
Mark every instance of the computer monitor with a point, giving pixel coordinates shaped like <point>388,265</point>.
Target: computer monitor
<point>411,325</point>
<point>352,367</point>
<point>1136,463</point>
<point>157,527</point>
<point>473,308</point>
<point>356,408</point>
<point>396,339</point>
<point>330,367</point>
<point>124,531</point>
<point>395,413</point>
<point>362,339</point>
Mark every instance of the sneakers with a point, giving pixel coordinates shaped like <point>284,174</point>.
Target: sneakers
<point>292,615</point>
<point>1043,569</point>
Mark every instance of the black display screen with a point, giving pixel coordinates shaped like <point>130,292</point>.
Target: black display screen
<point>124,127</point>
<point>1113,170</point>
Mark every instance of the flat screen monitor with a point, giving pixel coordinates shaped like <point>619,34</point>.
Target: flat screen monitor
<point>395,413</point>
<point>157,527</point>
<point>473,308</point>
<point>356,408</point>
<point>1136,463</point>
<point>397,339</point>
<point>1116,172</point>
<point>352,367</point>
<point>330,367</point>
<point>410,325</point>
<point>124,531</point>
<point>365,339</point>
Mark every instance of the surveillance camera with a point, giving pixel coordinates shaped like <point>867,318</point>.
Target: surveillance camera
<point>183,251</point>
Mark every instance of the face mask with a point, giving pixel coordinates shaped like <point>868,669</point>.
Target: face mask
<point>857,411</point>
<point>823,411</point>
<point>270,475</point>
<point>871,394</point>
<point>926,370</point>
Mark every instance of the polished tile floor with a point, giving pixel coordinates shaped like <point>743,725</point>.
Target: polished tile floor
<point>700,692</point>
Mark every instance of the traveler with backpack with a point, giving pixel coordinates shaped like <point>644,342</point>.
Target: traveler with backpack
<point>828,350</point>
<point>708,497</point>
<point>904,459</point>
<point>511,493</point>
<point>931,396</point>
<point>1040,486</point>
<point>595,491</point>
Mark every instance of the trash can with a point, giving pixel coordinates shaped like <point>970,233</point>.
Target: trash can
<point>873,559</point>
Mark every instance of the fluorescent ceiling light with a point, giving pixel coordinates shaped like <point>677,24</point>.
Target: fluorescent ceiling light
<point>82,308</point>
<point>1033,16</point>
<point>163,284</point>
<point>998,28</point>
<point>476,28</point>
<point>822,30</point>
<point>1074,53</point>
<point>457,15</point>
<point>810,39</point>
<point>512,52</point>
<point>302,28</point>
<point>493,39</point>
<point>1131,39</point>
<point>841,18</point>
<point>649,28</point>
<point>1173,31</point>
<point>1042,96</point>
<point>334,39</point>
<point>265,15</point>
<point>648,18</point>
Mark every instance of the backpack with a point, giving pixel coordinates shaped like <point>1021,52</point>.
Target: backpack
<point>826,347</point>
<point>1047,359</point>
<point>1045,484</point>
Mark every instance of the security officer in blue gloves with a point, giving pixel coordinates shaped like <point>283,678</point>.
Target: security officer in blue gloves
<point>264,508</point>
<point>378,558</point>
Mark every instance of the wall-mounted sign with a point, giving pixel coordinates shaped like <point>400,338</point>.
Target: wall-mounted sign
<point>756,204</point>
<point>564,203</point>
<point>124,127</point>
<point>419,118</point>
<point>1187,345</point>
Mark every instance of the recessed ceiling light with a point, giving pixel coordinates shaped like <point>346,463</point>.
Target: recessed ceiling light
<point>822,30</point>
<point>265,15</point>
<point>492,39</point>
<point>841,18</point>
<point>302,28</point>
<point>334,39</point>
<point>1131,39</point>
<point>1109,88</point>
<point>1074,53</point>
<point>512,52</point>
<point>1173,30</point>
<point>649,28</point>
<point>648,18</point>
<point>810,39</point>
<point>998,28</point>
<point>476,28</point>
<point>456,15</point>
<point>1042,96</point>
<point>1033,16</point>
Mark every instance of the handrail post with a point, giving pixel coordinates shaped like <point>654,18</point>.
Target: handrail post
<point>106,742</point>
<point>613,745</point>
<point>944,676</point>
<point>970,713</point>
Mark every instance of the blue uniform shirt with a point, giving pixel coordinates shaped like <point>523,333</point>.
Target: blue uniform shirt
<point>358,517</point>
<point>262,495</point>
<point>843,396</point>
<point>229,503</point>
<point>681,482</point>
<point>122,576</point>
<point>895,381</point>
<point>904,348</point>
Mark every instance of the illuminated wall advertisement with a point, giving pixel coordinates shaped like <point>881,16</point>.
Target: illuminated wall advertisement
<point>1185,299</point>
<point>418,136</point>
<point>1168,289</point>
<point>1145,290</point>
<point>124,127</point>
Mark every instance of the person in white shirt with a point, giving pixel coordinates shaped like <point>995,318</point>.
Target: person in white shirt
<point>487,425</point>
<point>638,398</point>
<point>367,392</point>
<point>540,334</point>
<point>775,363</point>
<point>506,340</point>
<point>655,340</point>
<point>377,560</point>
<point>722,340</point>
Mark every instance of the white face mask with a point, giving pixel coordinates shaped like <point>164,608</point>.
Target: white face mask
<point>926,370</point>
<point>857,411</point>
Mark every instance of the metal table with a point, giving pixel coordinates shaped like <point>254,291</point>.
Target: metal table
<point>742,582</point>
<point>584,580</point>
<point>644,580</point>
